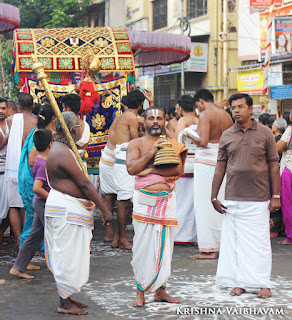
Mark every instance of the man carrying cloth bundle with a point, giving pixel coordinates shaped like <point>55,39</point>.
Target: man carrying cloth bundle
<point>154,208</point>
<point>68,218</point>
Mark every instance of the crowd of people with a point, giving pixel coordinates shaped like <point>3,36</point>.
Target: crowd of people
<point>229,189</point>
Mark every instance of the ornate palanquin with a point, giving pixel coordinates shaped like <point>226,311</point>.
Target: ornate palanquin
<point>60,51</point>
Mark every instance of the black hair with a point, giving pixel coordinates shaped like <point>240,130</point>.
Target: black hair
<point>72,101</point>
<point>263,118</point>
<point>186,103</point>
<point>171,111</point>
<point>45,100</point>
<point>286,116</point>
<point>41,139</point>
<point>236,96</point>
<point>36,108</point>
<point>270,121</point>
<point>4,100</point>
<point>45,116</point>
<point>11,104</point>
<point>153,108</point>
<point>205,95</point>
<point>134,99</point>
<point>125,102</point>
<point>25,101</point>
<point>230,113</point>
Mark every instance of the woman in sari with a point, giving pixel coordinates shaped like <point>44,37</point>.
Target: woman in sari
<point>285,146</point>
<point>46,118</point>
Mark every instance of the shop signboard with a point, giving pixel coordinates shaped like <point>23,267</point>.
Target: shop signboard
<point>282,26</point>
<point>198,61</point>
<point>264,3</point>
<point>281,92</point>
<point>283,32</point>
<point>250,82</point>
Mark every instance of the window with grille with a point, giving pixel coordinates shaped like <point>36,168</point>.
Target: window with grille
<point>197,8</point>
<point>159,14</point>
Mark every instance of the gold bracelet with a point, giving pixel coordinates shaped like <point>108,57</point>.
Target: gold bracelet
<point>214,199</point>
<point>277,196</point>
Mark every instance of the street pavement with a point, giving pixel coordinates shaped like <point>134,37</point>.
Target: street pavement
<point>111,288</point>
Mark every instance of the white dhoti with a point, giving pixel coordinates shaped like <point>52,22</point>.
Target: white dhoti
<point>153,220</point>
<point>208,220</point>
<point>123,181</point>
<point>68,231</point>
<point>106,171</point>
<point>184,190</point>
<point>12,161</point>
<point>245,258</point>
<point>3,198</point>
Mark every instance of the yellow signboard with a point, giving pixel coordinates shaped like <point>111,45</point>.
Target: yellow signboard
<point>250,82</point>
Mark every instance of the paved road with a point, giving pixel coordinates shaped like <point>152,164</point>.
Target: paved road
<point>111,288</point>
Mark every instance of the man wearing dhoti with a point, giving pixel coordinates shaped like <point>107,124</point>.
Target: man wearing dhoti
<point>4,131</point>
<point>126,130</point>
<point>248,155</point>
<point>213,121</point>
<point>68,218</point>
<point>154,209</point>
<point>186,233</point>
<point>20,125</point>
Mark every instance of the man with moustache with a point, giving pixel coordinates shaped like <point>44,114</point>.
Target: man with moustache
<point>154,209</point>
<point>248,156</point>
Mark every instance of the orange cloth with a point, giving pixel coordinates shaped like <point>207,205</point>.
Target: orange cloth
<point>180,150</point>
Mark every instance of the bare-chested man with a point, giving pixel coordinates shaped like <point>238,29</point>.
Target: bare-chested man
<point>126,129</point>
<point>213,121</point>
<point>20,125</point>
<point>106,165</point>
<point>153,209</point>
<point>68,218</point>
<point>4,220</point>
<point>171,126</point>
<point>186,233</point>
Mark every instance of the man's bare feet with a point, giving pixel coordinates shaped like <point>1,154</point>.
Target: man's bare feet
<point>139,301</point>
<point>1,245</point>
<point>237,292</point>
<point>17,273</point>
<point>108,238</point>
<point>130,239</point>
<point>162,296</point>
<point>125,244</point>
<point>265,293</point>
<point>285,241</point>
<point>69,306</point>
<point>204,255</point>
<point>32,267</point>
<point>79,304</point>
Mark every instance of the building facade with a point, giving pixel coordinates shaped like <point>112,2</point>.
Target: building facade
<point>252,49</point>
<point>203,22</point>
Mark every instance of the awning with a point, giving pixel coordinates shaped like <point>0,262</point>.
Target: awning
<point>258,65</point>
<point>9,17</point>
<point>159,48</point>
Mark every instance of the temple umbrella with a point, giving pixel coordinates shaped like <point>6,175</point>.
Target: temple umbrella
<point>158,48</point>
<point>9,20</point>
<point>9,17</point>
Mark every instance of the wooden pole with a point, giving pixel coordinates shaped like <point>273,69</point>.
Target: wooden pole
<point>38,69</point>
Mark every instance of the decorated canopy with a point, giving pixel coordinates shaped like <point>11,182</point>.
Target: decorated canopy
<point>60,50</point>
<point>9,17</point>
<point>159,48</point>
